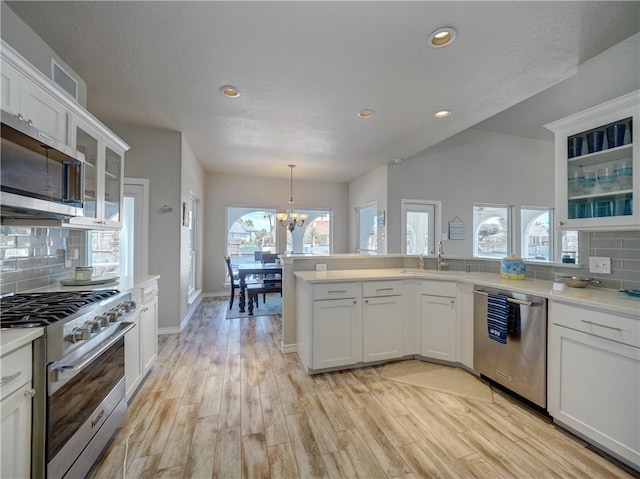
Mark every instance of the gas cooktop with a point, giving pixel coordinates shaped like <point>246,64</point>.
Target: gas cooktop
<point>25,310</point>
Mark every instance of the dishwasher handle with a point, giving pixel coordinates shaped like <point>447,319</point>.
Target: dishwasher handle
<point>528,304</point>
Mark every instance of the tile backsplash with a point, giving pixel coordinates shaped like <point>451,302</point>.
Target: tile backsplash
<point>34,257</point>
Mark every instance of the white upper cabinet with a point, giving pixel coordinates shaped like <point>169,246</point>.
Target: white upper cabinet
<point>36,99</point>
<point>597,167</point>
<point>103,179</point>
<point>23,98</point>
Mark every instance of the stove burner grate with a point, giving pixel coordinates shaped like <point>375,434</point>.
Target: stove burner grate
<point>41,309</point>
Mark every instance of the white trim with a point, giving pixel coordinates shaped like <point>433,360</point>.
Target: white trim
<point>144,183</point>
<point>288,348</point>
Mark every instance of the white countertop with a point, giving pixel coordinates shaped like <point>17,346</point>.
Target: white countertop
<point>125,283</point>
<point>12,339</point>
<point>606,299</point>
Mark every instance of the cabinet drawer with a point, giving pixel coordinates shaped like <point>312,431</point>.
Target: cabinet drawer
<point>16,370</point>
<point>606,325</point>
<point>439,288</point>
<point>336,290</point>
<point>149,291</point>
<point>371,289</point>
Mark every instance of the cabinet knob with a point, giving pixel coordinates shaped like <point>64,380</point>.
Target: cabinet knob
<point>30,393</point>
<point>19,117</point>
<point>560,223</point>
<point>29,122</point>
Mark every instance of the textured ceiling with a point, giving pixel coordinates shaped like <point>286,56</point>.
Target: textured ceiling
<point>305,69</point>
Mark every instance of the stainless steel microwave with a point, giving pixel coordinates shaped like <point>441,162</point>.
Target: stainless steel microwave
<point>40,177</point>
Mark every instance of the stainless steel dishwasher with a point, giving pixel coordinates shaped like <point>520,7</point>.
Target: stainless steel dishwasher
<point>519,364</point>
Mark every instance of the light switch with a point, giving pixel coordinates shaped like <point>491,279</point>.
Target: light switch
<point>599,264</point>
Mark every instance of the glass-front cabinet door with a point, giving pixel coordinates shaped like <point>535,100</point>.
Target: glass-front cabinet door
<point>103,177</point>
<point>86,141</point>
<point>112,185</point>
<point>597,167</point>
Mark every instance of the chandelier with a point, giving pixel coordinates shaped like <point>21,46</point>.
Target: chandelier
<point>291,219</point>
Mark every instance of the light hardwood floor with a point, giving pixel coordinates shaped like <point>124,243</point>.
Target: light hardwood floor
<point>223,401</point>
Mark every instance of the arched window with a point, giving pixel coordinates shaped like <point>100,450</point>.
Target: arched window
<point>314,237</point>
<point>250,230</point>
<point>537,240</point>
<point>491,237</point>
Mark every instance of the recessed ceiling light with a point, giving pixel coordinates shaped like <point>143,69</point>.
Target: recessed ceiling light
<point>230,91</point>
<point>365,113</point>
<point>442,37</point>
<point>397,160</point>
<point>442,114</point>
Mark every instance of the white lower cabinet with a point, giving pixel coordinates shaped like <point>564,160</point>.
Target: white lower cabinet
<point>438,320</point>
<point>149,327</point>
<point>337,333</point>
<point>141,342</point>
<point>382,320</point>
<point>15,418</point>
<point>132,361</point>
<point>594,377</point>
<point>343,324</point>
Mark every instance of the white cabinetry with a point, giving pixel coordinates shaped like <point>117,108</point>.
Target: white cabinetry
<point>438,320</point>
<point>598,168</point>
<point>336,328</point>
<point>141,342</point>
<point>132,360</point>
<point>382,320</point>
<point>16,395</point>
<point>32,103</point>
<point>594,377</point>
<point>103,179</point>
<point>149,326</point>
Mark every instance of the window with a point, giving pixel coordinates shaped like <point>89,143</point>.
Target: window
<point>367,229</point>
<point>250,230</point>
<point>491,231</point>
<point>536,234</point>
<point>570,246</point>
<point>420,220</point>
<point>314,237</point>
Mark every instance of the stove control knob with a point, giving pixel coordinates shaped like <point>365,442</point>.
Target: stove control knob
<point>93,326</point>
<point>104,320</point>
<point>125,307</point>
<point>132,304</point>
<point>79,334</point>
<point>117,311</point>
<point>112,316</point>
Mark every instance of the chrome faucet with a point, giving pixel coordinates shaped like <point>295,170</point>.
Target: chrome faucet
<point>440,253</point>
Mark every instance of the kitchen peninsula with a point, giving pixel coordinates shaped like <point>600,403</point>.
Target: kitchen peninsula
<point>352,318</point>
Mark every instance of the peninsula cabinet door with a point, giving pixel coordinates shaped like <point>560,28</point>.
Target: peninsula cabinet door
<point>382,328</point>
<point>337,333</point>
<point>594,389</point>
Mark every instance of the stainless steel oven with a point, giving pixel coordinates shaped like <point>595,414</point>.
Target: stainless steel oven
<point>78,374</point>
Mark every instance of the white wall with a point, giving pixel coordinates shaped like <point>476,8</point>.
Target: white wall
<point>232,190</point>
<point>192,176</point>
<point>473,166</point>
<point>155,154</point>
<point>367,189</point>
<point>26,42</point>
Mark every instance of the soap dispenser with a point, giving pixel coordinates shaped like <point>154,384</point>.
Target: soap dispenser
<point>420,262</point>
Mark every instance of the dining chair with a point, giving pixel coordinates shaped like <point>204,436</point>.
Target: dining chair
<point>233,280</point>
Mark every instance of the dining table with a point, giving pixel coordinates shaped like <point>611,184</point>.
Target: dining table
<point>257,269</point>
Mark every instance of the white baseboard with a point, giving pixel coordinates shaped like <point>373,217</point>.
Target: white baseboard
<point>288,348</point>
<point>216,295</point>
<point>162,331</point>
<point>185,320</point>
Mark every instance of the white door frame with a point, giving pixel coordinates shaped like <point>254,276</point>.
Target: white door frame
<point>141,248</point>
<point>405,206</point>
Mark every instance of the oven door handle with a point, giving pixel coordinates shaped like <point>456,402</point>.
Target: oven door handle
<point>124,328</point>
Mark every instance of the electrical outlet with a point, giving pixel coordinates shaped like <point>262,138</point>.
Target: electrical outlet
<point>321,267</point>
<point>599,264</point>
